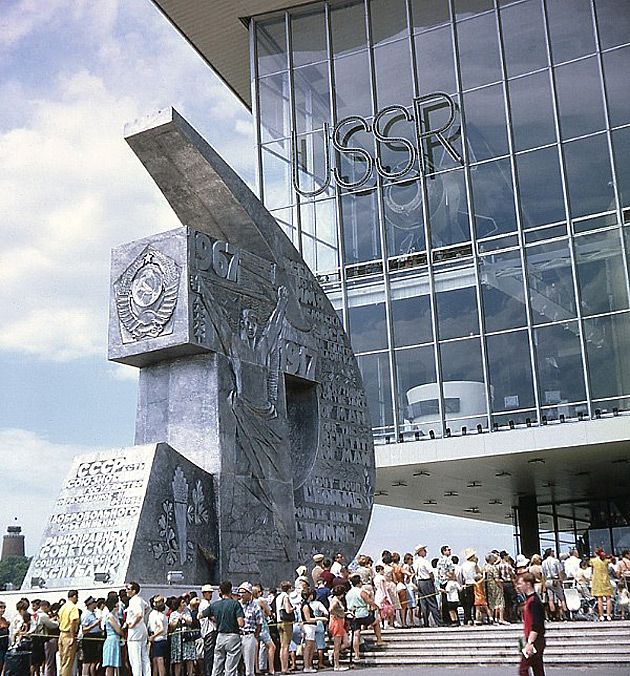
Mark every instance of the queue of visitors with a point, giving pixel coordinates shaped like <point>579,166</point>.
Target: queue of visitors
<point>320,614</point>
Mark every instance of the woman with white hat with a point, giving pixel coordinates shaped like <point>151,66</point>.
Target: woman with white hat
<point>469,569</point>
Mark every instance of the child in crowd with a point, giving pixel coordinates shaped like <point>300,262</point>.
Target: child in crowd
<point>452,589</point>
<point>481,603</point>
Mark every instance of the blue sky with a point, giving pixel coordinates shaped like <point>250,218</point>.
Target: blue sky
<point>72,73</point>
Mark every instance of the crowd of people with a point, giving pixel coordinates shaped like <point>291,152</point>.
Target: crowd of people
<point>319,615</point>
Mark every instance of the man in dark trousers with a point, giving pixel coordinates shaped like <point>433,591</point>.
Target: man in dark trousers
<point>229,618</point>
<point>533,627</point>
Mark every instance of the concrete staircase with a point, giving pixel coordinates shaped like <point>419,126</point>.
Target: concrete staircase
<point>569,644</point>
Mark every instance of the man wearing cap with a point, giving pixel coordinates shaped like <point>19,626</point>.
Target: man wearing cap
<point>208,630</point>
<point>426,587</point>
<point>252,627</point>
<point>229,617</point>
<point>469,569</point>
<point>318,569</point>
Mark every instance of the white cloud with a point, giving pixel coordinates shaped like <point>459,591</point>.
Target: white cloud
<point>33,470</point>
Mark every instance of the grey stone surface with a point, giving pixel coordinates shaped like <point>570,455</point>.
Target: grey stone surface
<point>245,367</point>
<point>134,513</point>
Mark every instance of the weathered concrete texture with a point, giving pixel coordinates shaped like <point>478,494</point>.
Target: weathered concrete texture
<point>246,369</point>
<point>134,513</point>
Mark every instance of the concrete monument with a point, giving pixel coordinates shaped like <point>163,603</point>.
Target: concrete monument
<point>245,368</point>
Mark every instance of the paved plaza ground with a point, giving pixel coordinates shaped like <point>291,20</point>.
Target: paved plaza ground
<point>486,671</point>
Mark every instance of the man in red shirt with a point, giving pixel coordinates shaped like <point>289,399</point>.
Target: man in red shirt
<point>533,627</point>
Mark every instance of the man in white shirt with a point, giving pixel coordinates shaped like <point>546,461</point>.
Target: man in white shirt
<point>208,630</point>
<point>426,587</point>
<point>572,564</point>
<point>553,571</point>
<point>137,634</point>
<point>338,564</point>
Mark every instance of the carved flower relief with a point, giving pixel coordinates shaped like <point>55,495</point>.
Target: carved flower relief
<point>197,512</point>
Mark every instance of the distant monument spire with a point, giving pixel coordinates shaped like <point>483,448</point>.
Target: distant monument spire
<point>12,542</point>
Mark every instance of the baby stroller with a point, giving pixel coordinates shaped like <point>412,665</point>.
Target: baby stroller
<point>580,603</point>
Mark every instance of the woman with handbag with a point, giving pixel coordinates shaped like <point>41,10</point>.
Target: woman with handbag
<point>183,649</point>
<point>285,619</point>
<point>112,658</point>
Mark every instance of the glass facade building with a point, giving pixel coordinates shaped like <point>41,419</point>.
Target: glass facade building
<point>457,173</point>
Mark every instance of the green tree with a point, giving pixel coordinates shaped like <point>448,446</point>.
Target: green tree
<point>13,569</point>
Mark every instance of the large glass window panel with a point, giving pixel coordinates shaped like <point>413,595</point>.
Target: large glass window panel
<point>502,291</point>
<point>613,21</point>
<point>367,325</point>
<point>532,111</point>
<point>417,387</point>
<point>457,313</point>
<point>540,186</point>
<point>601,272</point>
<point>571,29</point>
<point>348,27</point>
<point>461,361</point>
<point>352,85</point>
<point>308,37</point>
<point>271,47</point>
<point>493,198</point>
<point>394,156</point>
<point>318,219</point>
<point>607,348</point>
<point>434,61</point>
<point>310,155</point>
<point>559,364</point>
<point>312,97</point>
<point>486,131</point>
<point>351,166</point>
<point>621,151</point>
<point>479,51</point>
<point>550,282</point>
<point>388,20</point>
<point>276,175</point>
<point>434,114</point>
<point>411,315</point>
<point>510,371</point>
<point>588,176</point>
<point>448,209</point>
<point>327,257</point>
<point>359,219</point>
<point>275,111</point>
<point>523,38</point>
<point>378,388</point>
<point>429,13</point>
<point>616,69</point>
<point>579,98</point>
<point>392,64</point>
<point>466,8</point>
<point>404,222</point>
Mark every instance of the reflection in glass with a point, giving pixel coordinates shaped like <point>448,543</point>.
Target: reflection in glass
<point>352,85</point>
<point>607,348</point>
<point>502,291</point>
<point>613,21</point>
<point>457,313</point>
<point>541,200</point>
<point>388,20</point>
<point>415,370</point>
<point>318,221</point>
<point>411,316</point>
<point>571,29</point>
<point>434,61</point>
<point>348,27</point>
<point>559,364</point>
<point>312,97</point>
<point>367,325</point>
<point>600,272</point>
<point>276,175</point>
<point>429,13</point>
<point>448,211</point>
<point>493,198</point>
<point>274,107</point>
<point>376,379</point>
<point>352,167</point>
<point>621,151</point>
<point>359,219</point>
<point>435,113</point>
<point>271,47</point>
<point>550,282</point>
<point>479,51</point>
<point>580,105</point>
<point>308,37</point>
<point>588,176</point>
<point>510,371</point>
<point>532,111</point>
<point>616,69</point>
<point>311,160</point>
<point>486,131</point>
<point>394,156</point>
<point>523,38</point>
<point>392,65</point>
<point>466,8</point>
<point>402,207</point>
<point>461,360</point>
<point>463,382</point>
